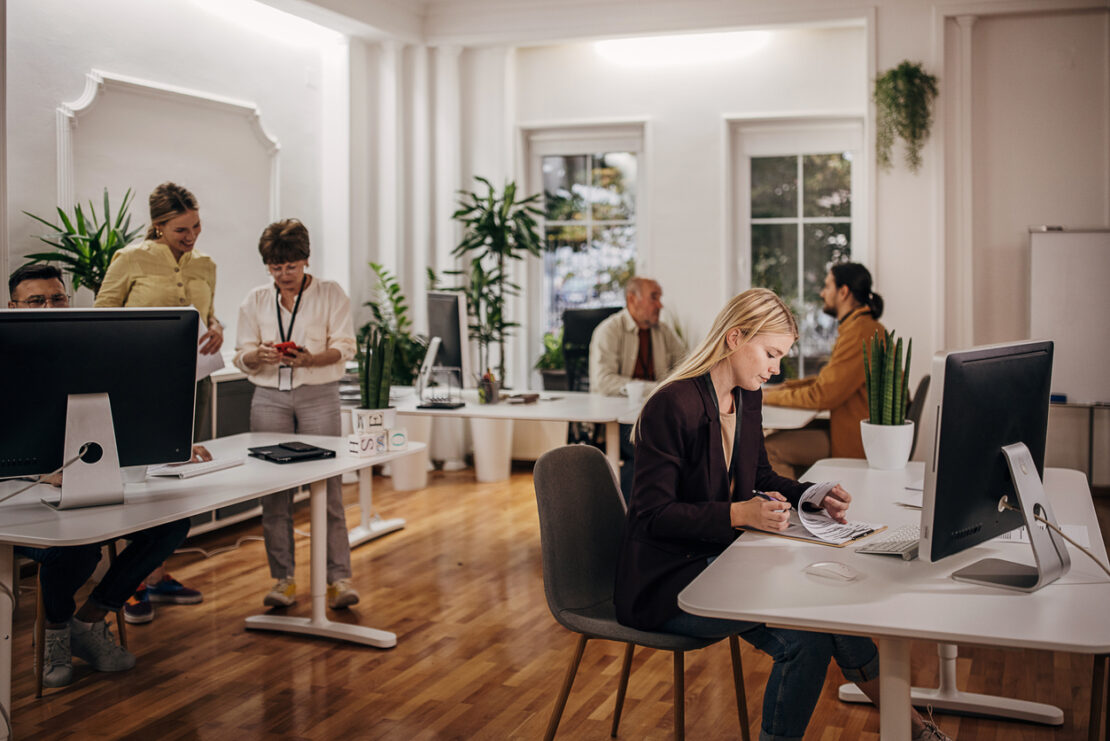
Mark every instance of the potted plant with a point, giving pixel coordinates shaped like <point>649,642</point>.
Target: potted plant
<point>887,435</point>
<point>551,364</point>
<point>497,228</point>
<point>84,243</point>
<point>375,369</point>
<point>390,314</point>
<point>903,109</point>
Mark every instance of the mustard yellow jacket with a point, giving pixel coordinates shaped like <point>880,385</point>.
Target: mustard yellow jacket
<point>839,387</point>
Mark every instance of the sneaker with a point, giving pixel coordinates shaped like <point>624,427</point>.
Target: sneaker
<point>341,594</point>
<point>171,590</point>
<point>931,733</point>
<point>282,594</point>
<point>98,646</point>
<point>57,668</point>
<point>138,609</point>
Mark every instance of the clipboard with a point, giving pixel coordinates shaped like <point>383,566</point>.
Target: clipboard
<point>797,531</point>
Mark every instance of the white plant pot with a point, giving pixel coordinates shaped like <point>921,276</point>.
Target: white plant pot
<point>364,420</point>
<point>887,447</point>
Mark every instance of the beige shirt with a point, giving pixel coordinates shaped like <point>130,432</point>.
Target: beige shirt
<point>323,322</point>
<point>614,346</point>
<point>146,274</point>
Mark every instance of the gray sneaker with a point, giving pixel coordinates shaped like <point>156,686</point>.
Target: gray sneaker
<point>931,733</point>
<point>57,670</point>
<point>98,646</point>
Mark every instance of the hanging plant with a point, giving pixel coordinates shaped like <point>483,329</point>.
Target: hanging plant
<point>904,109</point>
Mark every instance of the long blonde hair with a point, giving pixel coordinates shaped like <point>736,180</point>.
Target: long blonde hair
<point>755,311</point>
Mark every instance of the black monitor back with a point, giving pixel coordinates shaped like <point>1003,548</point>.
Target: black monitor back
<point>578,329</point>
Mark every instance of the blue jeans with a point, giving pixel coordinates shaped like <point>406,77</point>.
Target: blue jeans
<point>64,569</point>
<point>801,659</point>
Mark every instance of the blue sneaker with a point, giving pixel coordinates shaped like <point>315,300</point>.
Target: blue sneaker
<point>138,609</point>
<point>171,590</point>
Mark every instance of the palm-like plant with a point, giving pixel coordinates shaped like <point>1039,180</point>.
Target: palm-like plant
<point>499,228</point>
<point>390,310</point>
<point>85,244</point>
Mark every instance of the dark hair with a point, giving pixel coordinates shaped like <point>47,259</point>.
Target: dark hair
<point>858,280</point>
<point>33,271</point>
<point>167,201</point>
<point>284,241</point>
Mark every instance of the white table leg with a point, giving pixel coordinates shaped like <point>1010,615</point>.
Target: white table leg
<point>371,525</point>
<point>318,624</point>
<point>613,445</point>
<point>493,448</point>
<point>946,696</point>
<point>894,685</point>
<point>7,606</point>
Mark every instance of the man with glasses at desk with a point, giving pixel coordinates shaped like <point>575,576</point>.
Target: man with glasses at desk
<point>63,570</point>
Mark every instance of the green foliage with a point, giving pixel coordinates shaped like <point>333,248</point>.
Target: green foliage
<point>904,109</point>
<point>887,378</point>
<point>498,228</point>
<point>375,367</point>
<point>85,243</point>
<point>390,315</point>
<point>552,357</point>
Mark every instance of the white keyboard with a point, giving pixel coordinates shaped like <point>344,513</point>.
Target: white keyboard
<point>188,470</point>
<point>902,541</point>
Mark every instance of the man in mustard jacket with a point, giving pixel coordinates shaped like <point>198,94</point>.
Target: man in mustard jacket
<point>839,387</point>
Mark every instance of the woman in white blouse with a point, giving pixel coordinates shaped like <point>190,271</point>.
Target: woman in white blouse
<point>297,390</point>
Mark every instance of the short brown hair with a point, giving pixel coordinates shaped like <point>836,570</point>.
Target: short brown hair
<point>167,201</point>
<point>284,241</point>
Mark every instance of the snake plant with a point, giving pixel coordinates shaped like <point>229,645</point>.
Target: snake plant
<point>887,378</point>
<point>375,369</point>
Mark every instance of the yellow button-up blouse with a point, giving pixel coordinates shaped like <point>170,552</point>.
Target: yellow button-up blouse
<point>147,275</point>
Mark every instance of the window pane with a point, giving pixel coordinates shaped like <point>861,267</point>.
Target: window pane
<point>564,188</point>
<point>775,258</point>
<point>825,244</point>
<point>614,263</point>
<point>774,187</point>
<point>827,185</point>
<point>613,195</point>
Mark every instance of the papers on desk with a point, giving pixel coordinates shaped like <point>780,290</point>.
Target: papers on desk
<point>1078,533</point>
<point>912,499</point>
<point>207,364</point>
<point>818,527</point>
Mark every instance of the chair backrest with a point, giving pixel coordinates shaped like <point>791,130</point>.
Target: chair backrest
<point>917,407</point>
<point>578,329</point>
<point>582,520</point>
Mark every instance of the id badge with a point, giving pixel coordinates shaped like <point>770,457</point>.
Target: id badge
<point>285,378</point>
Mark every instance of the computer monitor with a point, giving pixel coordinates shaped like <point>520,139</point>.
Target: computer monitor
<point>121,380</point>
<point>991,414</point>
<point>447,320</point>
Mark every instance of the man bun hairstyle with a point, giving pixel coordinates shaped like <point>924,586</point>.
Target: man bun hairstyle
<point>284,241</point>
<point>858,280</point>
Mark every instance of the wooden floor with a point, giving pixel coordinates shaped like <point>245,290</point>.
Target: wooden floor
<point>478,655</point>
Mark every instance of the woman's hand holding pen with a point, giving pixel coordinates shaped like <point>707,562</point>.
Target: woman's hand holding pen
<point>836,503</point>
<point>765,511</point>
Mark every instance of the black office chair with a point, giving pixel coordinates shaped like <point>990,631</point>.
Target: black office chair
<point>917,407</point>
<point>578,329</point>
<point>582,520</point>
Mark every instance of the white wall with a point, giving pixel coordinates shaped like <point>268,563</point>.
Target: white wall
<point>52,44</point>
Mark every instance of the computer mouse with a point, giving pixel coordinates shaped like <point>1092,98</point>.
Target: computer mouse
<point>832,570</point>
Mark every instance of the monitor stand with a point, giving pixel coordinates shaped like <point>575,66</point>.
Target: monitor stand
<point>1050,551</point>
<point>95,478</point>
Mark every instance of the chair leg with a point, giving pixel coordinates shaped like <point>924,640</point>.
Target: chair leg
<point>120,622</point>
<point>1098,699</point>
<point>564,693</point>
<point>40,637</point>
<point>679,696</point>
<point>741,693</point>
<point>622,688</point>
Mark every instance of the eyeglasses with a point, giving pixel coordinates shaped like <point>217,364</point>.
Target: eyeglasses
<point>58,300</point>
<point>289,268</point>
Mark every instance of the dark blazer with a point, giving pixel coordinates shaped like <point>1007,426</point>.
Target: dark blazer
<point>678,514</point>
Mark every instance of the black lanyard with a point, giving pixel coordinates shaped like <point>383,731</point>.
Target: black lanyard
<point>296,305</point>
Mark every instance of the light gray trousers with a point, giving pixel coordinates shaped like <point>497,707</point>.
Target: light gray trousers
<point>310,410</point>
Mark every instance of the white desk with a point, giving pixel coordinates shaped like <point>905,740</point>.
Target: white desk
<point>492,424</point>
<point>896,600</point>
<point>786,418</point>
<point>26,521</point>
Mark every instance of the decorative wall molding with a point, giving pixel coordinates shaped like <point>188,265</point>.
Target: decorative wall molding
<point>97,81</point>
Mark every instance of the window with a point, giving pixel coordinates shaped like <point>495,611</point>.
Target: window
<point>590,230</point>
<point>799,183</point>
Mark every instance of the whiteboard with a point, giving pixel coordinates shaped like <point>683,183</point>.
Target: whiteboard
<point>1069,274</point>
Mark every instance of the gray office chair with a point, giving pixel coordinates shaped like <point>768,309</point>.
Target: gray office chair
<point>917,407</point>
<point>582,522</point>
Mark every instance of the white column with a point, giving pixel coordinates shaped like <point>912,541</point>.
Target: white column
<point>448,156</point>
<point>390,142</point>
<point>420,253</point>
<point>962,269</point>
<point>334,244</point>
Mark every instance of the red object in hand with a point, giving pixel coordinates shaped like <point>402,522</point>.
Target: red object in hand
<point>286,348</point>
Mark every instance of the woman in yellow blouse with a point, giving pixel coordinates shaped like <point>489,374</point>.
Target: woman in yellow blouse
<point>166,270</point>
